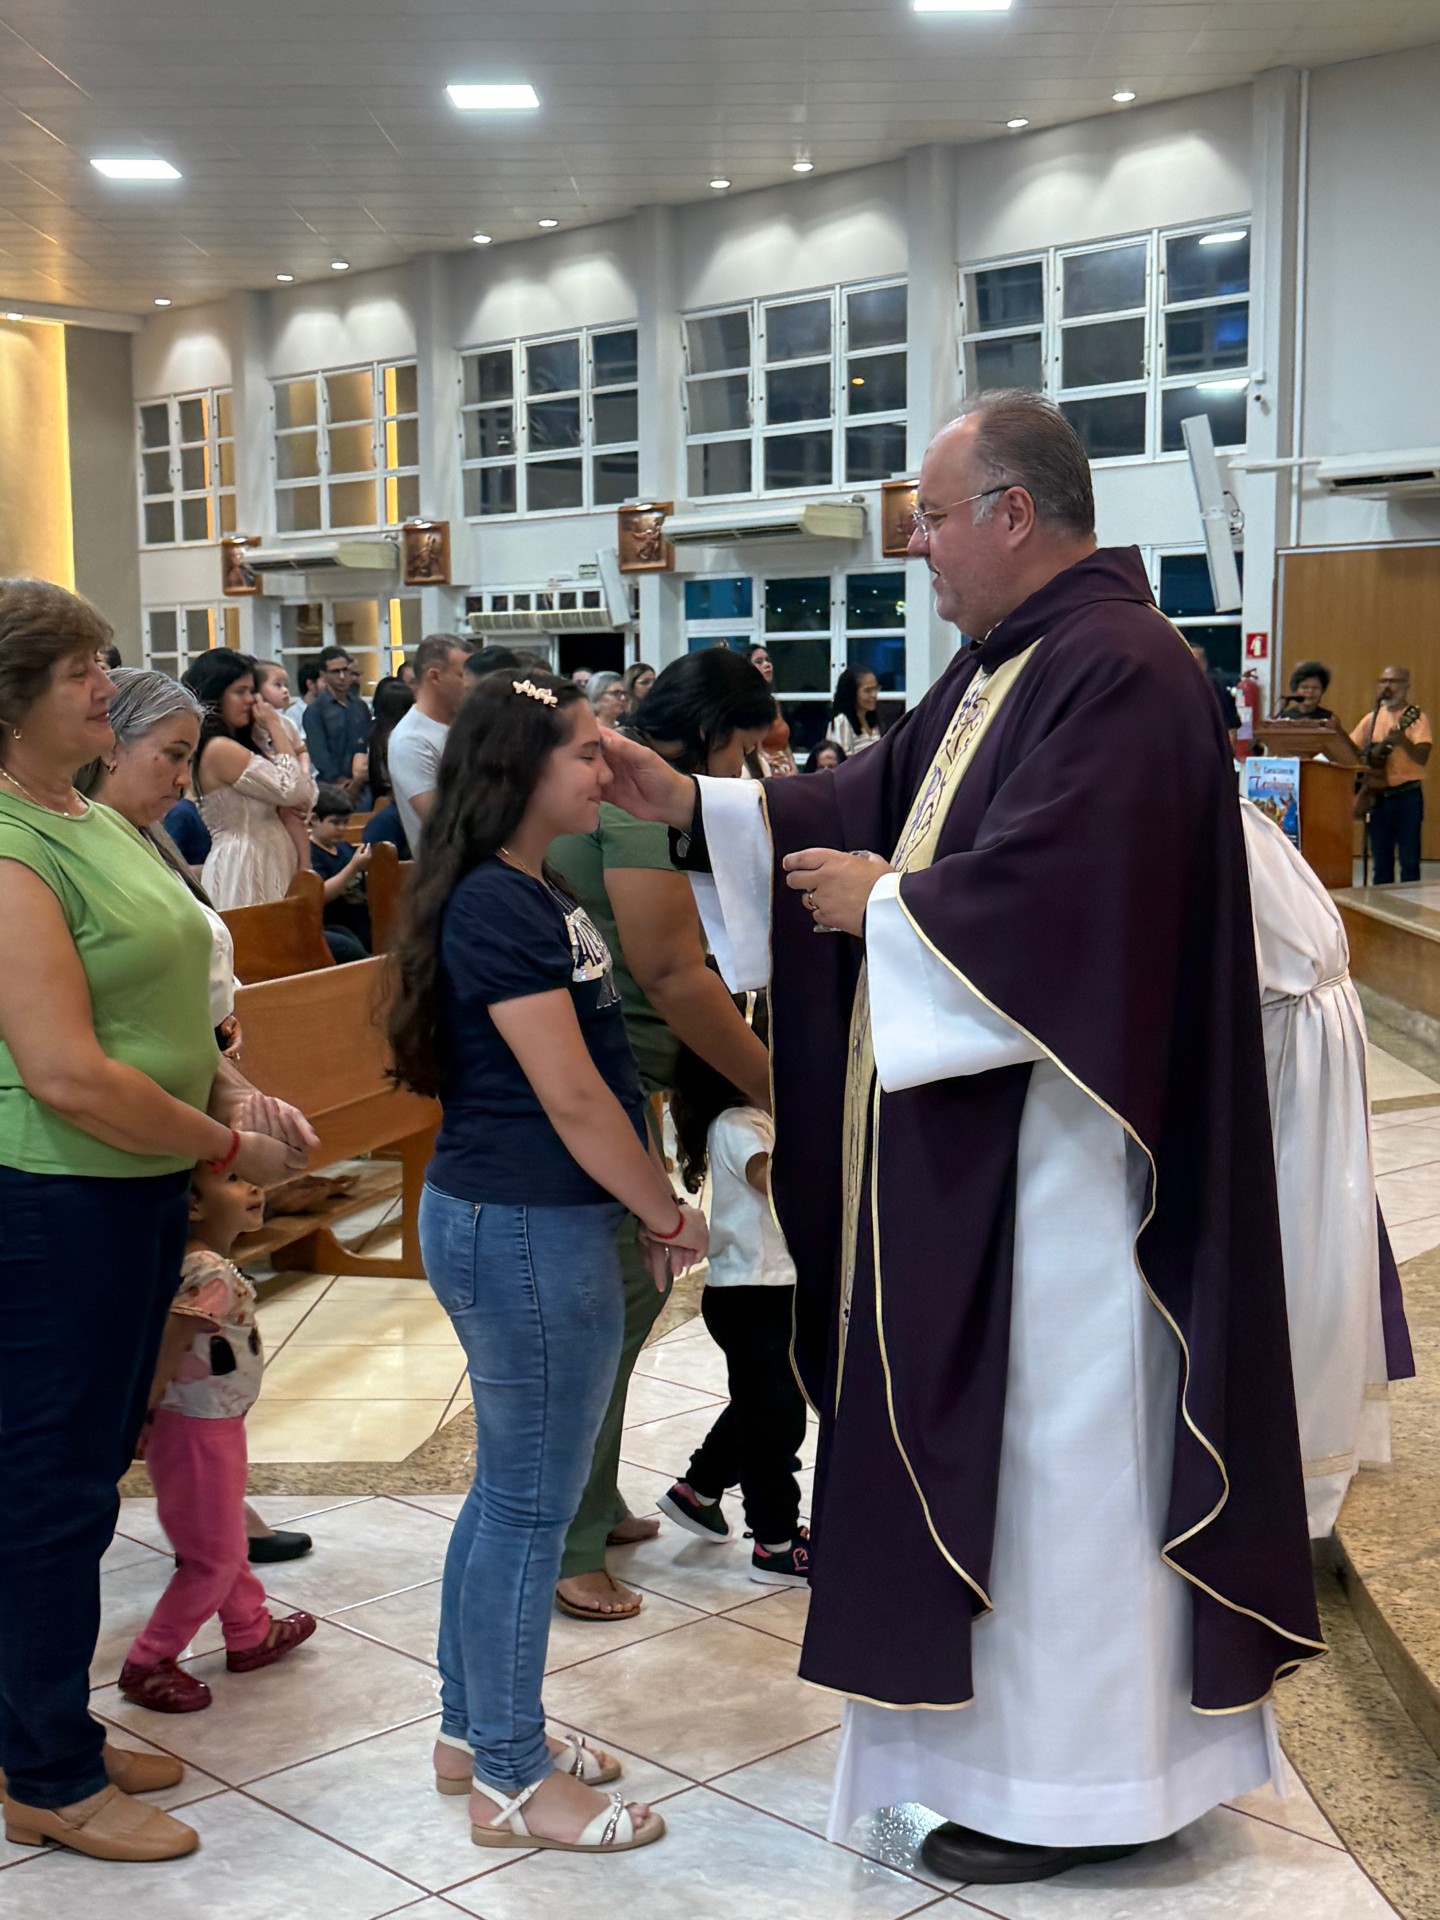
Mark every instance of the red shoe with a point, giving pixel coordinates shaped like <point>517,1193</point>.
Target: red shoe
<point>288,1634</point>
<point>164,1688</point>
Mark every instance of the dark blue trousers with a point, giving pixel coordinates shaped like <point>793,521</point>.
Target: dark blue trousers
<point>88,1269</point>
<point>1395,828</point>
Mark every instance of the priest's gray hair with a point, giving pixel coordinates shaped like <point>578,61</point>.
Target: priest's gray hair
<point>1024,440</point>
<point>144,699</point>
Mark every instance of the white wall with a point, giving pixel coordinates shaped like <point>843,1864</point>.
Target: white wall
<point>1372,285</point>
<point>343,321</point>
<point>555,283</point>
<point>816,233</point>
<point>183,350</point>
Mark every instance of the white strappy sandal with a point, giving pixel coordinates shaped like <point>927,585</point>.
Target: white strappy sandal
<point>576,1758</point>
<point>611,1831</point>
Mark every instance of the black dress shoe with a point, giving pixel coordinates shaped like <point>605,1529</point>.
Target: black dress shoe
<point>266,1548</point>
<point>959,1853</point>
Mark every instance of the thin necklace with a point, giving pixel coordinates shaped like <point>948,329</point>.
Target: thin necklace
<point>517,861</point>
<point>44,805</point>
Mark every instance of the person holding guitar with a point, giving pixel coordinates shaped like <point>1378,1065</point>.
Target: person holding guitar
<point>1393,744</point>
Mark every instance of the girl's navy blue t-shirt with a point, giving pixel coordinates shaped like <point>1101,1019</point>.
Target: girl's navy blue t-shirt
<point>504,936</point>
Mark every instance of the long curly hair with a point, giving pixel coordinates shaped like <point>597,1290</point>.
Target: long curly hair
<point>209,677</point>
<point>494,756</point>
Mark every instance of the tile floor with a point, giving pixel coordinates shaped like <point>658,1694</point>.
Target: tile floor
<point>309,1782</point>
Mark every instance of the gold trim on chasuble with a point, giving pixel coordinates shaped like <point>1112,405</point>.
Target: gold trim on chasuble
<point>914,850</point>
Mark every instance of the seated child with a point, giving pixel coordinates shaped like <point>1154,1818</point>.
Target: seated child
<point>207,1379</point>
<point>342,868</point>
<point>748,1304</point>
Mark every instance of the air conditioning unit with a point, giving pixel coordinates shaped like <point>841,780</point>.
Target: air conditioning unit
<point>326,556</point>
<point>568,620</point>
<point>815,519</point>
<point>1376,476</point>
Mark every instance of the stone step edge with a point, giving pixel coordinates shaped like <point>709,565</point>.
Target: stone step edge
<point>1417,1690</point>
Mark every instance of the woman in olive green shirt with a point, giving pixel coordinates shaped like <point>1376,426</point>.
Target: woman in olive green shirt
<point>107,1101</point>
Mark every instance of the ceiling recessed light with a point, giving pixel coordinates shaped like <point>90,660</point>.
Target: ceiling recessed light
<point>1123,98</point>
<point>284,278</point>
<point>339,266</point>
<point>803,166</point>
<point>1016,124</point>
<point>494,99</point>
<point>481,239</point>
<point>161,301</point>
<point>719,185</point>
<point>549,223</point>
<point>1222,239</point>
<point>135,169</point>
<point>961,6</point>
<point>14,316</point>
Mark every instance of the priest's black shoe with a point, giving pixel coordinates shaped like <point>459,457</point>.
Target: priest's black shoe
<point>959,1853</point>
<point>266,1548</point>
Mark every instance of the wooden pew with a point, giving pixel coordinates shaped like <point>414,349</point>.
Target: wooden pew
<point>355,826</point>
<point>384,884</point>
<point>318,1039</point>
<point>282,937</point>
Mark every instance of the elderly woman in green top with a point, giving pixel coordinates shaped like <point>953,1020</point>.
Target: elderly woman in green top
<point>108,1098</point>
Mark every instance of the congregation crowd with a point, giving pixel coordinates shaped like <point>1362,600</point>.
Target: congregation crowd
<point>613,880</point>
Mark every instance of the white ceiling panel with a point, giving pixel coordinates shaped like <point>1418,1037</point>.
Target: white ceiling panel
<point>304,130</point>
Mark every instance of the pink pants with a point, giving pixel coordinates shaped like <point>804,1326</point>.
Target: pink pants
<point>198,1470</point>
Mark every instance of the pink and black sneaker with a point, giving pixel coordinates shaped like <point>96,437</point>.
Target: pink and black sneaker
<point>787,1567</point>
<point>700,1517</point>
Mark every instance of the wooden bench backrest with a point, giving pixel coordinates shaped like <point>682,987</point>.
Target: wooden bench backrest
<point>384,885</point>
<point>283,936</point>
<point>354,828</point>
<point>318,1039</point>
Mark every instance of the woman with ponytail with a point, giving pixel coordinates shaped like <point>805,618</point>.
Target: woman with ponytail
<point>506,1010</point>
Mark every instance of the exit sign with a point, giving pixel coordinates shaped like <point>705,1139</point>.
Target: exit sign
<point>1257,646</point>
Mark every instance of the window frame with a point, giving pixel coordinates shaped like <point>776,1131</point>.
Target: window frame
<point>219,497</point>
<point>521,458</point>
<point>384,422</point>
<point>1053,327</point>
<point>223,619</point>
<point>760,430</point>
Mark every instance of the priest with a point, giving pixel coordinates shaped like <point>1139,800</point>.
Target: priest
<point>1023,1164</point>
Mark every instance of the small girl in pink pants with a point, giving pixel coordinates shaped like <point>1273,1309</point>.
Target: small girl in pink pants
<point>211,1363</point>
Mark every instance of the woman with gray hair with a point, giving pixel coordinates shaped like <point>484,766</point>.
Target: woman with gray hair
<point>608,698</point>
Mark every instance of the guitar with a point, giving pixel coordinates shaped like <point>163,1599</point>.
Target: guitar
<point>1371,783</point>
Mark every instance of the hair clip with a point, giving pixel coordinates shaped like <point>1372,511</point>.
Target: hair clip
<point>544,695</point>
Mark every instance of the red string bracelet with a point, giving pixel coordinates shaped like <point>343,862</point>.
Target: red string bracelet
<point>228,1159</point>
<point>679,1227</point>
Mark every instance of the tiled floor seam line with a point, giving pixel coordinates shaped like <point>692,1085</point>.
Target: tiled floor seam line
<point>331,1839</point>
<point>1336,1846</point>
<point>270,1352</point>
<point>737,1616</point>
<point>329,1753</point>
<point>391,1593</point>
<point>586,1659</point>
<point>845,1846</point>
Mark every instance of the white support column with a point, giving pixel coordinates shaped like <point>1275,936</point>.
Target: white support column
<point>251,409</point>
<point>1274,242</point>
<point>662,430</point>
<point>932,371</point>
<point>437,381</point>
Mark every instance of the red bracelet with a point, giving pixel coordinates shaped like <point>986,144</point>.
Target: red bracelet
<point>228,1159</point>
<point>677,1229</point>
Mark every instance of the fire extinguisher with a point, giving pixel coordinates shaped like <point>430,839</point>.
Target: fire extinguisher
<point>1247,699</point>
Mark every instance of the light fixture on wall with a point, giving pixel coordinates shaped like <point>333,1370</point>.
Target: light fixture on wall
<point>161,300</point>
<point>1016,124</point>
<point>481,239</point>
<point>14,316</point>
<point>803,166</point>
<point>1123,97</point>
<point>1222,239</point>
<point>548,223</point>
<point>135,169</point>
<point>961,6</point>
<point>284,278</point>
<point>491,98</point>
<point>339,266</point>
<point>719,185</point>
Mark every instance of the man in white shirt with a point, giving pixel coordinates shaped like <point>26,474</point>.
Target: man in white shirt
<point>419,740</point>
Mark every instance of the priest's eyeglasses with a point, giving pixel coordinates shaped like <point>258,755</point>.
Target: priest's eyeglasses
<point>926,519</point>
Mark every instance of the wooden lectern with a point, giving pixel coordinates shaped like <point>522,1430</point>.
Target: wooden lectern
<point>1327,795</point>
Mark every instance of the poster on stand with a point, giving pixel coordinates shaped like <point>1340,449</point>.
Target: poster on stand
<point>1274,787</point>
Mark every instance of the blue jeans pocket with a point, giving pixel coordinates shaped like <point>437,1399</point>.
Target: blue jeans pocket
<point>449,1231</point>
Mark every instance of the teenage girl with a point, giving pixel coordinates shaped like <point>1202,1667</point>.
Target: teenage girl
<point>748,1304</point>
<point>507,1011</point>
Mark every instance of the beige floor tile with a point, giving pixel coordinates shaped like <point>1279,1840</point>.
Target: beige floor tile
<point>1392,1079</point>
<point>252,1865</point>
<point>336,1689</point>
<point>362,1553</point>
<point>650,1399</point>
<point>1224,1867</point>
<point>315,1372</point>
<point>719,1861</point>
<point>1411,1195</point>
<point>1397,1148</point>
<point>689,1363</point>
<point>666,1445</point>
<point>794,1785</point>
<point>1416,1236</point>
<point>383,1319</point>
<point>703,1700</point>
<point>1295,1810</point>
<point>284,1303</point>
<point>315,1431</point>
<point>139,1520</point>
<point>123,1552</point>
<point>783,1613</point>
<point>699,1573</point>
<point>379,1798</point>
<point>127,1599</point>
<point>641,1487</point>
<point>448,1505</point>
